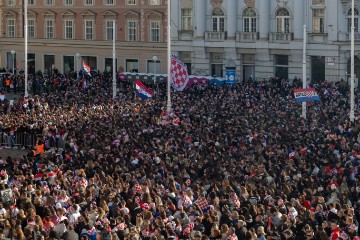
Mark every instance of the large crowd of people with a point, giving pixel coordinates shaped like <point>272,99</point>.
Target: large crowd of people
<point>241,164</point>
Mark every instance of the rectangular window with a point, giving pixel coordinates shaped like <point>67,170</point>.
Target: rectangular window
<point>10,2</point>
<point>356,24</point>
<point>109,64</point>
<point>31,28</point>
<point>110,2</point>
<point>155,31</point>
<point>69,64</point>
<point>109,30</point>
<point>186,19</point>
<point>132,31</point>
<point>218,24</point>
<point>132,65</point>
<point>49,2</point>
<point>11,28</point>
<point>31,2</point>
<point>89,2</point>
<point>318,20</point>
<point>154,2</point>
<point>49,28</point>
<point>249,24</point>
<point>131,2</point>
<point>281,66</point>
<point>153,66</point>
<point>68,2</point>
<point>69,29</point>
<point>217,70</point>
<point>49,62</point>
<point>89,24</point>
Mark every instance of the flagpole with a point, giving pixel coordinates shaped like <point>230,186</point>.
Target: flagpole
<point>26,48</point>
<point>352,85</point>
<point>304,72</point>
<point>168,106</point>
<point>114,62</point>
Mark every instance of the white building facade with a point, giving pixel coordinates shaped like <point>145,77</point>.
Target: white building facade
<point>265,37</point>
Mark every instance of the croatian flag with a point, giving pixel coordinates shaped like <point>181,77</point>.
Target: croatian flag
<point>86,68</point>
<point>305,95</point>
<point>179,74</point>
<point>142,90</point>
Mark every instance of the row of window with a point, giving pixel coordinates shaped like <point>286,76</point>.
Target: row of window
<point>86,2</point>
<point>89,29</point>
<point>250,18</point>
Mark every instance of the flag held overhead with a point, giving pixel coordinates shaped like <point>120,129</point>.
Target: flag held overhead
<point>305,95</point>
<point>142,90</point>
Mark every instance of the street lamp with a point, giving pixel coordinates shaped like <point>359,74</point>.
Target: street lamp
<point>13,58</point>
<point>77,55</point>
<point>155,58</point>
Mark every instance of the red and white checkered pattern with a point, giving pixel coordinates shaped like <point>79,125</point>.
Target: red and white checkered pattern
<point>179,74</point>
<point>202,203</point>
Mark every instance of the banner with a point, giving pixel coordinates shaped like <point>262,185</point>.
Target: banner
<point>231,77</point>
<point>179,74</point>
<point>305,95</point>
<point>86,68</point>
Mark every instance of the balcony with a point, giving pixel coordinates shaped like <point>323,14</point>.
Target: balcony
<point>247,36</point>
<point>356,36</point>
<point>281,37</point>
<point>186,35</point>
<point>215,36</point>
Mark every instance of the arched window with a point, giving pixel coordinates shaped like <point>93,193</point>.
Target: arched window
<point>249,16</point>
<point>218,20</point>
<point>282,20</point>
<point>356,19</point>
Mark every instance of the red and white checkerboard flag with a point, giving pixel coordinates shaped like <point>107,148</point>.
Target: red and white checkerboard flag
<point>179,74</point>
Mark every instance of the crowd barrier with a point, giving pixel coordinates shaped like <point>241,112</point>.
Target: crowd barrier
<point>27,140</point>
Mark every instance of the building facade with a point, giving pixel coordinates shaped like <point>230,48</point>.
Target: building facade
<point>62,33</point>
<point>265,37</point>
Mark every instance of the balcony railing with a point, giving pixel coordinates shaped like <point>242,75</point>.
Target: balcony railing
<point>215,36</point>
<point>247,36</point>
<point>281,37</point>
<point>186,35</point>
<point>356,36</point>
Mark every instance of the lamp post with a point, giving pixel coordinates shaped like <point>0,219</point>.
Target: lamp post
<point>352,84</point>
<point>155,58</point>
<point>78,64</point>
<point>13,56</point>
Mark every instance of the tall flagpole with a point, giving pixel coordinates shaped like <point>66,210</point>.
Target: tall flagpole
<point>114,61</point>
<point>26,48</point>
<point>168,106</point>
<point>304,72</point>
<point>352,77</point>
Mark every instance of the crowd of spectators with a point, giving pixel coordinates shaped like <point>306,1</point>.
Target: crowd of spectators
<point>242,164</point>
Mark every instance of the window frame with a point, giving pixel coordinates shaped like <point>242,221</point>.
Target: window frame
<point>129,2</point>
<point>13,35</point>
<point>282,21</point>
<point>155,29</point>
<point>66,27</point>
<point>157,3</point>
<point>46,3</point>
<point>33,26</point>
<point>318,20</point>
<point>68,4</point>
<point>88,4</point>
<point>218,20</point>
<point>132,28</point>
<point>249,20</point>
<point>86,34</point>
<point>47,27</point>
<point>107,30</point>
<point>31,2</point>
<point>356,20</point>
<point>10,4</point>
<point>109,4</point>
<point>186,19</point>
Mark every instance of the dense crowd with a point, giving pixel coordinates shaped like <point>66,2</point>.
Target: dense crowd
<point>242,163</point>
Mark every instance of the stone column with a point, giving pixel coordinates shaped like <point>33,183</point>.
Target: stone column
<point>264,18</point>
<point>231,14</point>
<point>199,15</point>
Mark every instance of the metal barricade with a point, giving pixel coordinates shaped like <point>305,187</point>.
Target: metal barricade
<point>19,140</point>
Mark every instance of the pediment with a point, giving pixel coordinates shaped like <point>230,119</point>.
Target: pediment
<point>131,14</point>
<point>88,13</point>
<point>49,13</point>
<point>154,14</point>
<point>109,13</point>
<point>67,13</point>
<point>10,13</point>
